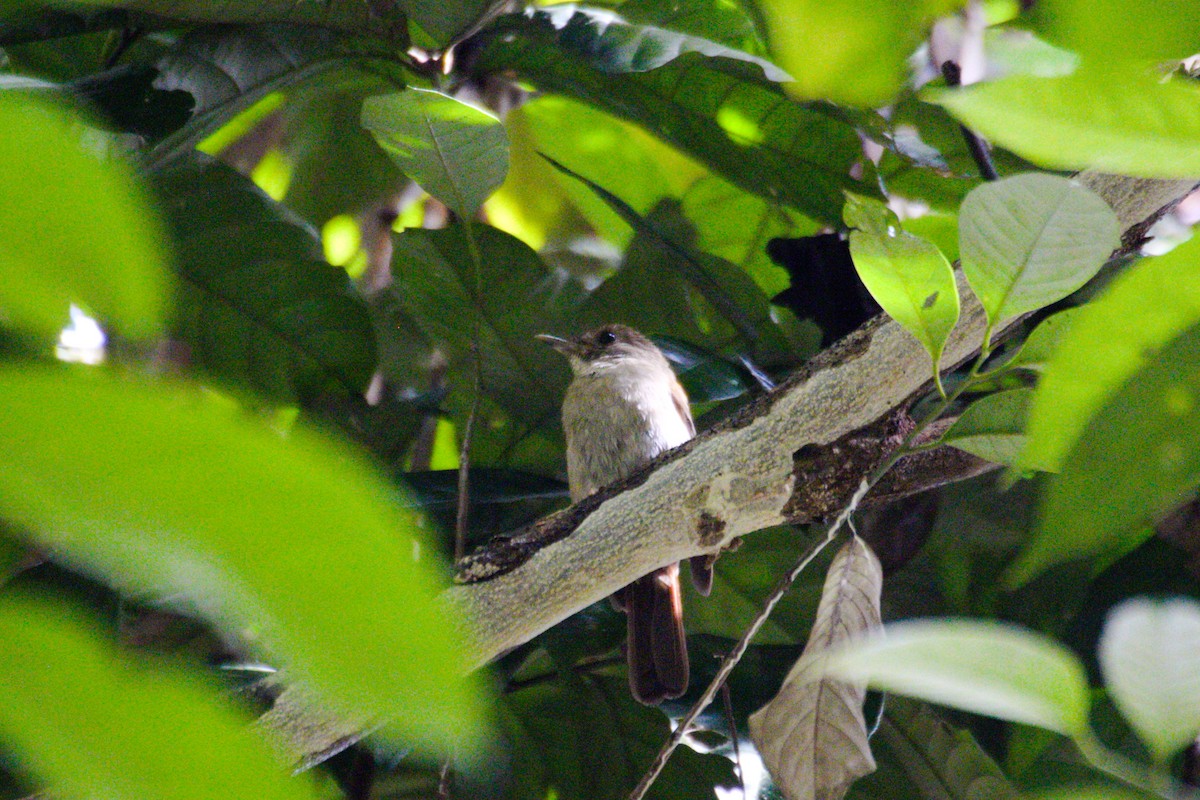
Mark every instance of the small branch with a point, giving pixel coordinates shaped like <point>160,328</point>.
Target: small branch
<point>975,144</point>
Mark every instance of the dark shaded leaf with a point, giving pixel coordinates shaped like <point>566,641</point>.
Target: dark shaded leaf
<point>434,276</point>
<point>381,18</point>
<point>258,307</point>
<point>585,737</point>
<point>706,377</point>
<point>993,427</point>
<point>715,110</point>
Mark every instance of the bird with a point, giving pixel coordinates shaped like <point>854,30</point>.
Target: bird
<point>623,407</point>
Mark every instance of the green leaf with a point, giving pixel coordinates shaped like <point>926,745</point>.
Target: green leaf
<point>1148,653</point>
<point>107,259</point>
<point>1109,340</point>
<point>1138,455</point>
<point>87,720</point>
<point>1166,31</point>
<point>323,139</point>
<point>1126,123</point>
<point>433,274</point>
<point>1030,240</point>
<point>1037,351</point>
<point>585,738</point>
<point>458,153</point>
<point>727,24</point>
<point>613,45</point>
<point>228,69</point>
<point>993,427</point>
<point>349,16</point>
<point>258,306</point>
<point>920,755</point>
<point>909,277</point>
<point>852,52</point>
<point>165,493</point>
<point>729,290</point>
<point>719,111</point>
<point>984,667</point>
<point>442,23</point>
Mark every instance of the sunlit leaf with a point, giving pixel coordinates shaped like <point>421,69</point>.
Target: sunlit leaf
<point>907,276</point>
<point>1127,124</point>
<point>1030,240</point>
<point>88,721</point>
<point>165,494</point>
<point>993,427</point>
<point>719,111</point>
<point>812,735</point>
<point>1109,340</point>
<point>1166,30</point>
<point>80,229</point>
<point>1138,455</point>
<point>458,153</point>
<point>849,51</point>
<point>985,667</point>
<point>1036,351</point>
<point>1148,653</point>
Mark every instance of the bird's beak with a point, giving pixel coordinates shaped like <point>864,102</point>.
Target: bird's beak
<point>564,346</point>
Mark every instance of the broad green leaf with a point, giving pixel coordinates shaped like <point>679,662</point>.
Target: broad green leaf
<point>1138,455</point>
<point>993,427</point>
<point>228,69</point>
<point>349,16</point>
<point>324,139</point>
<point>1109,340</point>
<point>258,306</point>
<point>920,755</point>
<point>1128,123</point>
<point>1030,240</point>
<point>812,735</point>
<point>609,151</point>
<point>439,25</point>
<point>80,229</point>
<point>734,224</point>
<point>909,277</point>
<point>87,720</point>
<point>458,153</point>
<point>985,667</point>
<point>1148,653</point>
<point>719,111</point>
<point>853,52</point>
<point>1167,30</point>
<point>721,22</point>
<point>584,738</point>
<point>433,274</point>
<point>164,493</point>
<point>614,45</point>
<point>1037,350</point>
<point>729,290</point>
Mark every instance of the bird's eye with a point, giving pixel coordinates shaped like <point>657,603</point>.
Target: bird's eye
<point>605,338</point>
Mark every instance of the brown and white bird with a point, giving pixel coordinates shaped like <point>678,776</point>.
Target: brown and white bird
<point>622,409</point>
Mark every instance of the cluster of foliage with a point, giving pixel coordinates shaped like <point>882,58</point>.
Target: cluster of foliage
<point>277,210</point>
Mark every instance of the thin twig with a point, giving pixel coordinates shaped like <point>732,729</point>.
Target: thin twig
<point>443,787</point>
<point>975,143</point>
<point>464,455</point>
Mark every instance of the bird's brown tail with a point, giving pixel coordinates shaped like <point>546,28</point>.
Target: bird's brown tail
<point>657,649</point>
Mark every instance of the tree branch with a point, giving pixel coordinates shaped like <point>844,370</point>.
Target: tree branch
<point>795,455</point>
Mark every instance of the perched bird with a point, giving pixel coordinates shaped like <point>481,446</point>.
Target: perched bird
<point>622,409</point>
